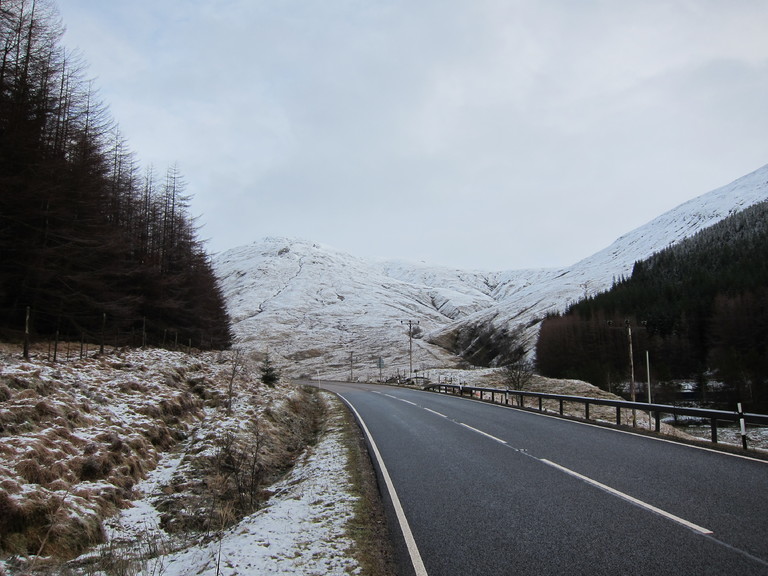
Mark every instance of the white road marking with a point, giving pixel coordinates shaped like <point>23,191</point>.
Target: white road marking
<point>410,542</point>
<point>401,400</point>
<point>608,428</point>
<point>416,560</point>
<point>499,440</point>
<point>606,488</point>
<point>628,498</point>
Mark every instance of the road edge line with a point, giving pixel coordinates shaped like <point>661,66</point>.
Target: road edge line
<point>410,541</point>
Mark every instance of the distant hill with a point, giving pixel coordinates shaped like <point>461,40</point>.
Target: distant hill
<point>320,311</point>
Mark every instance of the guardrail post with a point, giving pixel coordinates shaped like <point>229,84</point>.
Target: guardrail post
<point>654,411</point>
<point>742,426</point>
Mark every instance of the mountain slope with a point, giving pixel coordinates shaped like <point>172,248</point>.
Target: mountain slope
<point>328,313</point>
<point>320,309</point>
<point>523,298</point>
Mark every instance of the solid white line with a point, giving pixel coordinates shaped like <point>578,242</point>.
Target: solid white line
<point>499,440</point>
<point>627,497</point>
<point>410,542</point>
<point>435,412</point>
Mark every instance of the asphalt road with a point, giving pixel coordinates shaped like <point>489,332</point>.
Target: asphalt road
<point>477,489</point>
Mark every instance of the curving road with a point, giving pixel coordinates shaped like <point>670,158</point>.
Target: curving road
<point>477,489</point>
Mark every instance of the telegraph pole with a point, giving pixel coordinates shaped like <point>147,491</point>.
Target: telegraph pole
<point>628,326</point>
<point>631,362</point>
<point>410,344</point>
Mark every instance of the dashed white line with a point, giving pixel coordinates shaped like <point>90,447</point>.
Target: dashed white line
<point>604,487</point>
<point>401,400</point>
<point>499,440</point>
<point>413,550</point>
<point>628,498</point>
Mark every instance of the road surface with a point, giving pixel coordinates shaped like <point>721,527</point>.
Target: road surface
<point>477,489</point>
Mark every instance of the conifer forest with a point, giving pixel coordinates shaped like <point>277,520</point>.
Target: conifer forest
<point>91,246</point>
<point>699,308</point>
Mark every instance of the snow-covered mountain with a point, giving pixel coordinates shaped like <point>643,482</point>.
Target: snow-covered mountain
<point>318,311</point>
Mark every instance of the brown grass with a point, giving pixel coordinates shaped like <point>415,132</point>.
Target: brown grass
<point>32,472</point>
<point>69,484</point>
<point>231,468</point>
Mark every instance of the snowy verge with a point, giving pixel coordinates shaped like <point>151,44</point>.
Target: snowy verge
<point>81,441</point>
<point>301,530</point>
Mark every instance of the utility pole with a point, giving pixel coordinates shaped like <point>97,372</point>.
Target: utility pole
<point>631,362</point>
<point>410,344</point>
<point>648,372</point>
<point>631,372</point>
<point>628,326</point>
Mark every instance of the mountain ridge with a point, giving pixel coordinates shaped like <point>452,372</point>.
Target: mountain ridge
<point>329,314</point>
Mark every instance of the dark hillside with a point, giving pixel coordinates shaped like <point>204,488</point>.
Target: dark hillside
<point>700,307</point>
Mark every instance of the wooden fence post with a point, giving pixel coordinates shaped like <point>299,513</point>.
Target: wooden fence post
<point>26,336</point>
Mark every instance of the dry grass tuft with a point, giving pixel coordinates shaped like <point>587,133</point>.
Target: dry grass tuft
<point>91,467</point>
<point>34,473</point>
<point>76,437</point>
<point>27,394</point>
<point>231,467</point>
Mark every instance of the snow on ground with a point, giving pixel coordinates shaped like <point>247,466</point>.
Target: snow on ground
<point>114,440</point>
<point>300,531</point>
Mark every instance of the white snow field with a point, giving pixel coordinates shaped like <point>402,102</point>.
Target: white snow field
<point>331,315</point>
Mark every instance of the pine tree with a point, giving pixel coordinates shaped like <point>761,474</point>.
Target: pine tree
<point>269,374</point>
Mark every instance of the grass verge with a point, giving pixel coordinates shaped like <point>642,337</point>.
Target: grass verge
<point>368,527</point>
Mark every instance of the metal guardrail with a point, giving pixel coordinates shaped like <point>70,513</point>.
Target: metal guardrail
<point>656,410</point>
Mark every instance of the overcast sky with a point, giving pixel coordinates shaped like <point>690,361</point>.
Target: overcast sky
<point>478,134</point>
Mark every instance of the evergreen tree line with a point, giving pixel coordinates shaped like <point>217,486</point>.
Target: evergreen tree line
<point>88,245</point>
<point>699,307</point>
